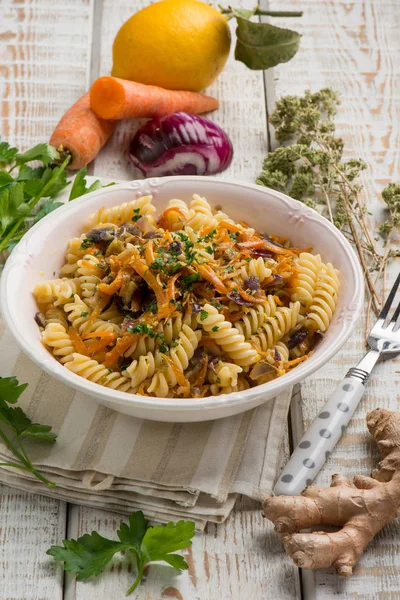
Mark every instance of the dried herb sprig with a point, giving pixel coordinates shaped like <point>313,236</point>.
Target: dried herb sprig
<point>310,167</point>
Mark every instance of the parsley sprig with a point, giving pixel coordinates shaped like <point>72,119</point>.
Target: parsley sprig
<point>89,555</point>
<point>18,427</point>
<point>28,193</point>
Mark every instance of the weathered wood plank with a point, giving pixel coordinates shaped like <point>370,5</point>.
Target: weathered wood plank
<point>44,55</point>
<point>354,48</point>
<point>241,558</point>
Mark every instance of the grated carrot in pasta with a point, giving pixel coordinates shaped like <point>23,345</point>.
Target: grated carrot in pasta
<point>77,341</point>
<point>190,290</point>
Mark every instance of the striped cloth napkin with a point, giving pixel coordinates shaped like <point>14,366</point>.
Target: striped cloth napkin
<point>108,460</point>
<point>169,470</point>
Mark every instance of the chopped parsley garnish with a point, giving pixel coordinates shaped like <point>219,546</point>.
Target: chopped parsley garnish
<point>234,236</point>
<point>85,244</point>
<point>84,313</point>
<point>188,280</point>
<point>203,315</point>
<point>163,348</point>
<point>208,236</point>
<point>158,264</point>
<point>215,328</point>
<point>136,215</point>
<point>142,329</point>
<point>174,344</point>
<point>228,269</point>
<point>153,308</point>
<point>216,304</point>
<point>209,249</point>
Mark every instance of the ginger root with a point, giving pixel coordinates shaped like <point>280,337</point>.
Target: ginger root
<point>360,511</point>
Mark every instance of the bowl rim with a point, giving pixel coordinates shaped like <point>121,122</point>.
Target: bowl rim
<point>270,389</point>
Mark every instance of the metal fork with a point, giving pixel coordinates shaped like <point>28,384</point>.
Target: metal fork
<point>324,433</point>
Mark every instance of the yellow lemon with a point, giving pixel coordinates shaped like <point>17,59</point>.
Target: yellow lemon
<point>175,44</point>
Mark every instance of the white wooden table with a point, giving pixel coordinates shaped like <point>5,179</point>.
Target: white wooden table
<point>50,51</point>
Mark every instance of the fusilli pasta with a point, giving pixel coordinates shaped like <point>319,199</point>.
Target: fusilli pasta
<point>190,305</point>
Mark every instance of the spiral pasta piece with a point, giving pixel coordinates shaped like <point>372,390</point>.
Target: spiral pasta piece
<point>180,355</point>
<point>73,254</point>
<point>276,327</point>
<point>202,214</point>
<point>225,374</point>
<point>55,336</point>
<point>123,213</point>
<point>88,273</point>
<point>93,371</point>
<point>142,369</point>
<point>282,350</point>
<point>256,267</point>
<point>159,386</point>
<point>113,315</point>
<point>55,315</point>
<point>227,336</point>
<point>216,389</point>
<point>78,313</point>
<point>56,291</point>
<point>255,317</point>
<point>309,267</point>
<point>324,302</point>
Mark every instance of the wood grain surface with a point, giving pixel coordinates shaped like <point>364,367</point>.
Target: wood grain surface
<point>354,47</point>
<point>49,52</point>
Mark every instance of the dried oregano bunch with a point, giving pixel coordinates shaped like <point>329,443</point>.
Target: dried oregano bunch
<point>309,166</point>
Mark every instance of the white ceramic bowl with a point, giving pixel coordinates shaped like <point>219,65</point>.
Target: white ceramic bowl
<point>40,254</point>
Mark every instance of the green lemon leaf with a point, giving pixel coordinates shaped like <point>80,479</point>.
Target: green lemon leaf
<point>262,45</point>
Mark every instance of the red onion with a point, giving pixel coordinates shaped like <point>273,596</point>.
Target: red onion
<point>180,144</point>
<point>252,283</point>
<point>237,299</point>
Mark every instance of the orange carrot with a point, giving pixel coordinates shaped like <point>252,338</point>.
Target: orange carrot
<point>120,347</point>
<point>164,219</point>
<point>81,134</point>
<point>77,341</point>
<point>100,334</point>
<point>206,272</point>
<point>115,99</point>
<point>113,287</point>
<point>149,252</point>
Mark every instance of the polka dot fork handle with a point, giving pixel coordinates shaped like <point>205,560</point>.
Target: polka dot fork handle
<point>325,431</point>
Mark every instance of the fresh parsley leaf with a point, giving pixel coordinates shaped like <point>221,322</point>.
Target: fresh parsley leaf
<point>12,206</point>
<point>215,328</point>
<point>203,315</point>
<point>89,555</point>
<point>6,180</point>
<point>7,153</point>
<point>43,152</point>
<point>79,187</point>
<point>21,426</point>
<point>47,207</point>
<point>188,280</point>
<point>10,390</point>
